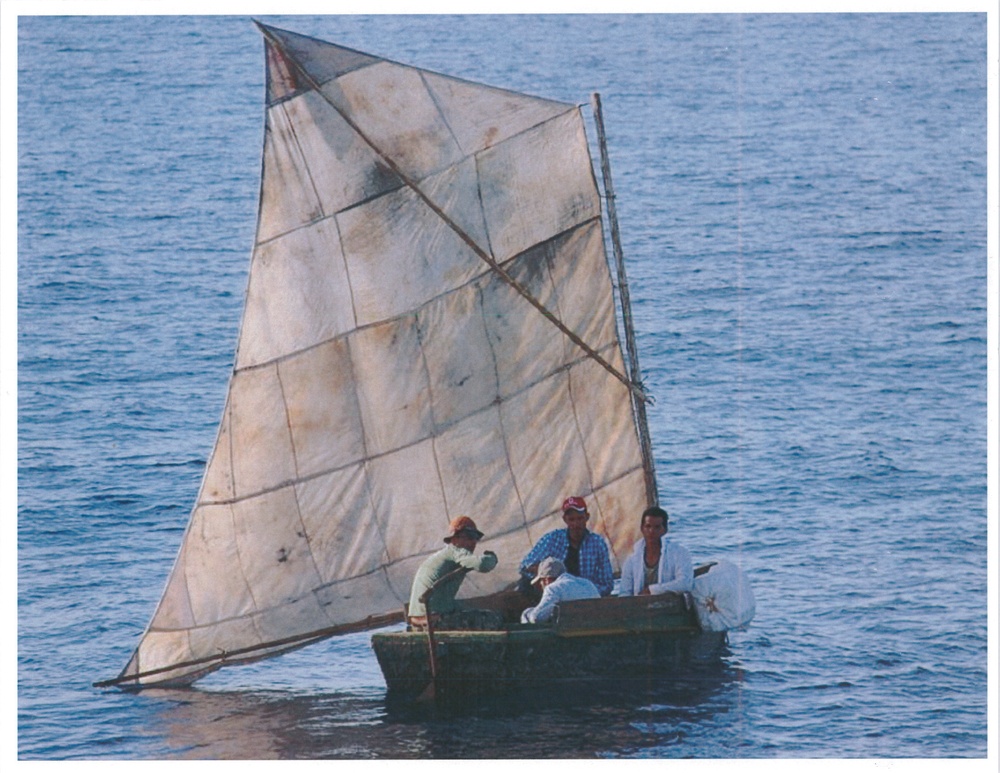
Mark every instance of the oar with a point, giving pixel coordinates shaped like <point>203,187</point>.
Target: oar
<point>430,692</point>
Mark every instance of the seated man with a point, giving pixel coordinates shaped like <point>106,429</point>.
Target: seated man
<point>449,566</point>
<point>583,553</point>
<point>656,564</point>
<point>557,585</point>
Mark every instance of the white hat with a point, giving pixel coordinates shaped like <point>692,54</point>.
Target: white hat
<point>549,567</point>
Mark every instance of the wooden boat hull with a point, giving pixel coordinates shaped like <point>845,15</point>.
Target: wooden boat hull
<point>598,639</point>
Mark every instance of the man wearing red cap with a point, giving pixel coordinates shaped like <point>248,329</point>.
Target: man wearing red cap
<point>444,565</point>
<point>584,553</point>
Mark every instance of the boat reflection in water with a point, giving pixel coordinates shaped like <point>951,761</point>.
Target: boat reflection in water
<point>629,717</point>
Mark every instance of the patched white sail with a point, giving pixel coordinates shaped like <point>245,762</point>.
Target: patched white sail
<point>429,331</point>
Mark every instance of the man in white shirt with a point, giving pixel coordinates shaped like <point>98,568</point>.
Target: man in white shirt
<point>656,564</point>
<point>557,585</point>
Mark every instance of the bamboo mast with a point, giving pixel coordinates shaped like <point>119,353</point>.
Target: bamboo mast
<point>638,404</point>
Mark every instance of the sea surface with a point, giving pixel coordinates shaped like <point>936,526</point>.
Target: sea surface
<point>803,207</point>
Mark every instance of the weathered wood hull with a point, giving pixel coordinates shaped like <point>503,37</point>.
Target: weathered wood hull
<point>597,639</point>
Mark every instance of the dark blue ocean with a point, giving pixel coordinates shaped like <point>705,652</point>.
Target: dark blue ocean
<point>803,207</point>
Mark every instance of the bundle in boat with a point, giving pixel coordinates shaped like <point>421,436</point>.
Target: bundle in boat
<point>723,598</point>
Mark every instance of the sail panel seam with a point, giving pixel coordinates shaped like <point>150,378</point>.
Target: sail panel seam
<point>232,516</point>
<point>347,272</point>
<point>585,450</point>
<point>497,402</point>
<point>594,490</point>
<point>295,460</point>
<point>362,463</point>
<point>403,182</point>
<point>572,397</point>
<point>305,165</point>
<point>288,420</point>
<point>486,230</point>
<point>416,310</point>
<point>441,115</point>
<point>435,434</point>
<point>438,431</point>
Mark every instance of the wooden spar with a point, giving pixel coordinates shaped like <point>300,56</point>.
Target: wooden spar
<point>425,597</point>
<point>247,654</point>
<point>639,405</point>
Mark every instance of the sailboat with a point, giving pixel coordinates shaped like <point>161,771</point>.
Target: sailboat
<point>430,330</point>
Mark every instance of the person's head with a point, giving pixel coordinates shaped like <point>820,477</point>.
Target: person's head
<point>575,516</point>
<point>549,570</point>
<point>462,533</point>
<point>654,524</point>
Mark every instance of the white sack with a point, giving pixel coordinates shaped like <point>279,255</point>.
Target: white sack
<point>723,598</point>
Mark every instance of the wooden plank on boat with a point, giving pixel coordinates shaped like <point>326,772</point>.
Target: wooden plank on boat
<point>667,611</point>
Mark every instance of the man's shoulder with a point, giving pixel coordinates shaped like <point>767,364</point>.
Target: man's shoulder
<point>438,555</point>
<point>583,587</point>
<point>555,534</point>
<point>431,565</point>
